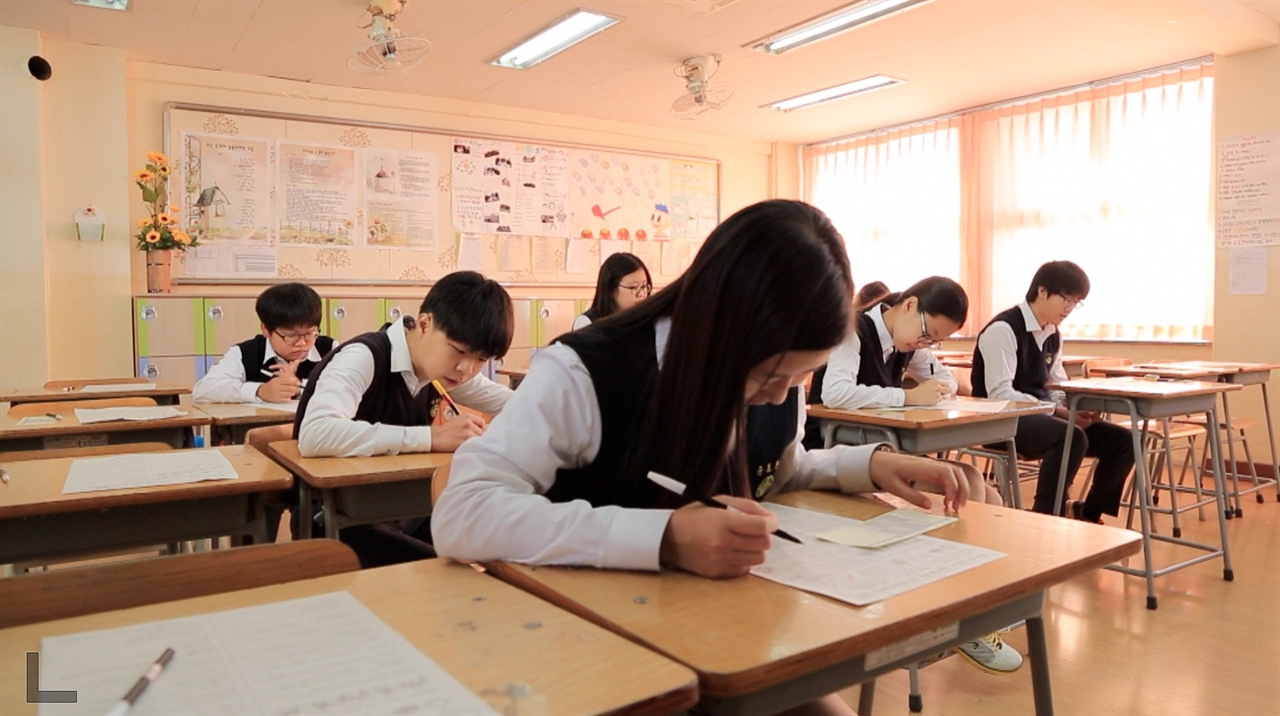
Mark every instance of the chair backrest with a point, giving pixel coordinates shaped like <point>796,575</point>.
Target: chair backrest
<point>82,451</point>
<point>22,411</point>
<point>82,382</point>
<point>259,438</point>
<point>1092,365</point>
<point>439,479</point>
<point>63,593</point>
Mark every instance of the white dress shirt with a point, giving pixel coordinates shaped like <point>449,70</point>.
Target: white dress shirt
<point>226,381</point>
<point>999,348</point>
<point>493,507</point>
<point>840,387</point>
<point>329,429</point>
<point>582,321</point>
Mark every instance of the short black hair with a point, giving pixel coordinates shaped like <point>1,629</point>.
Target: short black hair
<point>472,310</point>
<point>1061,278</point>
<point>288,305</point>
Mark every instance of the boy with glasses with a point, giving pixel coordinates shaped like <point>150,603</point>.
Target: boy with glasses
<point>1018,353</point>
<point>271,367</point>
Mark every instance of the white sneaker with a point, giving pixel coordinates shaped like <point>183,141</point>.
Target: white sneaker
<point>990,654</point>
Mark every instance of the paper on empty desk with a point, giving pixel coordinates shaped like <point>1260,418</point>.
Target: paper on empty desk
<point>116,387</point>
<point>326,654</point>
<point>36,420</point>
<point>289,407</point>
<point>103,415</point>
<point>970,405</point>
<point>860,576</point>
<point>115,472</point>
<point>886,529</point>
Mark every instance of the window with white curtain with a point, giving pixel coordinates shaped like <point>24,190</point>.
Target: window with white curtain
<point>1115,177</point>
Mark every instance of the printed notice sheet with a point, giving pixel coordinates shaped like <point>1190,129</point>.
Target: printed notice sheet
<point>105,415</point>
<point>329,655</point>
<point>860,576</point>
<point>116,472</point>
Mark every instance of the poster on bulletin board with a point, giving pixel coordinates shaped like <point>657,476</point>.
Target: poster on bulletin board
<point>274,196</point>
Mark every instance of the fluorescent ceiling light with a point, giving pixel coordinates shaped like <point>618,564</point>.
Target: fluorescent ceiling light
<point>104,4</point>
<point>562,35</point>
<point>866,84</point>
<point>832,24</point>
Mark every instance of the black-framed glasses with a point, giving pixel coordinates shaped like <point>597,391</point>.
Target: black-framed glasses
<point>639,290</point>
<point>297,339</point>
<point>925,339</point>
<point>1071,303</point>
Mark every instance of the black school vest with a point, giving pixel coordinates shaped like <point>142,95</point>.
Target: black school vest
<point>253,355</point>
<point>623,366</point>
<point>1033,361</point>
<point>387,399</point>
<point>873,368</point>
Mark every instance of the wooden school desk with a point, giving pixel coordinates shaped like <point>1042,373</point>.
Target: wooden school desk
<point>759,647</point>
<point>1074,365</point>
<point>230,421</point>
<point>1150,400</point>
<point>360,490</point>
<point>38,522</point>
<point>921,431</point>
<point>163,394</point>
<point>1224,372</point>
<point>70,432</point>
<point>514,375</point>
<point>518,653</point>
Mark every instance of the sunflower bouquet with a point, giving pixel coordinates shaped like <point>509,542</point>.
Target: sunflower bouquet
<point>159,231</point>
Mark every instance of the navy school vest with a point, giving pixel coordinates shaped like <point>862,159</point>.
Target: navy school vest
<point>873,368</point>
<point>1032,372</point>
<point>253,355</point>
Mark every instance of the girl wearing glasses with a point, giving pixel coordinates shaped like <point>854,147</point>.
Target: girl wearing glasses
<point>891,342</point>
<point>624,281</point>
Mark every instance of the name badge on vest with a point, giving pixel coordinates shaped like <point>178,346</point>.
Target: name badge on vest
<point>766,472</point>
<point>1048,360</point>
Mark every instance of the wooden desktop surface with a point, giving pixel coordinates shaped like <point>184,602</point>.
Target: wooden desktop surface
<point>333,472</point>
<point>1174,372</point>
<point>517,652</point>
<point>1137,388</point>
<point>35,486</point>
<point>745,634</point>
<point>1215,365</point>
<point>923,418</point>
<point>242,414</point>
<point>69,425</point>
<point>47,395</point>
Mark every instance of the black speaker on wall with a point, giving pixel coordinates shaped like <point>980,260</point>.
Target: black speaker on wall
<point>39,68</point>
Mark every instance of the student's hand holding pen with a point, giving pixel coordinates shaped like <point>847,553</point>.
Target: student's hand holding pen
<point>894,473</point>
<point>718,543</point>
<point>284,385</point>
<point>927,393</point>
<point>447,436</point>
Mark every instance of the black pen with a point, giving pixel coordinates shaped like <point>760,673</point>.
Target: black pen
<point>678,487</point>
<point>152,673</point>
<point>55,416</point>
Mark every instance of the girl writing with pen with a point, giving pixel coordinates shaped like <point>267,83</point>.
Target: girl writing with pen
<point>700,383</point>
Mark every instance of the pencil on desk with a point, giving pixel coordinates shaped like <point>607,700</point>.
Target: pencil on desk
<point>679,488</point>
<point>152,673</point>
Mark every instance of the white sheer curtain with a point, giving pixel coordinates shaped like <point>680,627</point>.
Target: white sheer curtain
<point>1115,178</point>
<point>895,197</point>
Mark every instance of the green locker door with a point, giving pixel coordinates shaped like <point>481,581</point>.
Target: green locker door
<point>228,321</point>
<point>168,326</point>
<point>349,317</point>
<point>554,318</point>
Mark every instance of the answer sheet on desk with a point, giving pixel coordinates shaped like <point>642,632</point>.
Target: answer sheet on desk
<point>102,415</point>
<point>115,472</point>
<point>328,654</point>
<point>289,407</point>
<point>860,576</point>
<point>969,405</point>
<point>116,387</point>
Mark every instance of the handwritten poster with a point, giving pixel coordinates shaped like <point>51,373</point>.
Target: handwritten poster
<point>470,252</point>
<point>399,199</point>
<point>546,253</point>
<point>508,188</point>
<point>579,259</point>
<point>513,253</point>
<point>621,197</point>
<point>318,195</point>
<point>1248,270</point>
<point>1249,190</point>
<point>694,208</point>
<point>225,188</point>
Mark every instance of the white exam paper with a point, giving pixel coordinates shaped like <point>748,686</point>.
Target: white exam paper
<point>116,387</point>
<point>289,407</point>
<point>886,529</point>
<point>860,576</point>
<point>148,469</point>
<point>328,655</point>
<point>971,405</point>
<point>104,415</point>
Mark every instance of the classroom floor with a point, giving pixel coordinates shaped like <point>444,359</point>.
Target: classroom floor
<point>1212,647</point>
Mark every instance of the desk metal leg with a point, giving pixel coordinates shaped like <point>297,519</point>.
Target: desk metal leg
<point>1219,490</point>
<point>1072,403</point>
<point>304,509</point>
<point>866,697</point>
<point>330,499</point>
<point>1168,466</point>
<point>1038,650</point>
<point>1271,435</point>
<point>828,433</point>
<point>1137,431</point>
<point>1237,511</point>
<point>1011,474</point>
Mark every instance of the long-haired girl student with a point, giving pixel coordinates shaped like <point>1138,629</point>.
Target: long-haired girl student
<point>699,383</point>
<point>624,281</point>
<point>891,342</point>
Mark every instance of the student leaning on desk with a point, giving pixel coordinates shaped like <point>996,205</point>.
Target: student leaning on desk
<point>374,395</point>
<point>274,366</point>
<point>701,383</point>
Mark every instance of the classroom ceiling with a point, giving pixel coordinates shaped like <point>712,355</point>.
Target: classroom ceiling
<point>954,54</point>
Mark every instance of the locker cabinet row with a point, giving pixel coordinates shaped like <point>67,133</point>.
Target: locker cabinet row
<point>177,338</point>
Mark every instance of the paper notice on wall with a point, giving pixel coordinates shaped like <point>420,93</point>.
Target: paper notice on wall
<point>223,260</point>
<point>508,188</point>
<point>470,252</point>
<point>226,188</point>
<point>578,259</point>
<point>609,248</point>
<point>400,199</point>
<point>1249,190</point>
<point>513,253</point>
<point>671,258</point>
<point>648,252</point>
<point>317,195</point>
<point>547,251</point>
<point>1248,270</point>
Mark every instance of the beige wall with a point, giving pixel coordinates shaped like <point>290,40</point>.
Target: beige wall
<point>1247,328</point>
<point>23,357</point>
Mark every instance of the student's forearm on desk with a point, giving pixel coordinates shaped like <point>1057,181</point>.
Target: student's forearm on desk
<point>225,382</point>
<point>322,436</point>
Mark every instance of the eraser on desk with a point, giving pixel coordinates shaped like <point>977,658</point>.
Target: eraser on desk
<point>1151,377</point>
